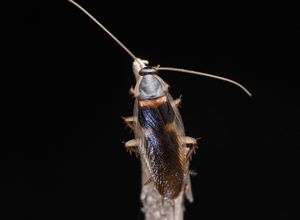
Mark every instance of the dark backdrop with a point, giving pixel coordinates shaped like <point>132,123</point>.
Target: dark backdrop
<point>67,88</point>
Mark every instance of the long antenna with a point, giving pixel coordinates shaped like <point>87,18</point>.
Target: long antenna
<point>141,64</point>
<point>104,29</point>
<point>206,75</point>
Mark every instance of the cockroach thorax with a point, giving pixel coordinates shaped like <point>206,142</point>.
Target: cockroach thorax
<point>150,88</point>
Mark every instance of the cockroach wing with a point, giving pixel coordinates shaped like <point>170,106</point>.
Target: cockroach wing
<point>181,133</point>
<point>158,131</point>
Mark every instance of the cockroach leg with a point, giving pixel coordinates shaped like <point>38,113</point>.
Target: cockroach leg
<point>190,152</point>
<point>191,141</point>
<point>131,91</point>
<point>188,189</point>
<point>129,121</point>
<point>192,173</point>
<point>177,102</point>
<point>132,146</point>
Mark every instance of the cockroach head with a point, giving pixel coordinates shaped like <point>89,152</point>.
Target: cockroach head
<point>148,71</point>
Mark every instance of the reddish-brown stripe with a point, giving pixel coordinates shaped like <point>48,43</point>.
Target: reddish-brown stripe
<point>153,103</point>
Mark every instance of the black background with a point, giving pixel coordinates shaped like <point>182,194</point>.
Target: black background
<point>67,85</point>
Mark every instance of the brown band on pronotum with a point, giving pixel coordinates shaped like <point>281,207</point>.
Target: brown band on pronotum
<point>153,103</point>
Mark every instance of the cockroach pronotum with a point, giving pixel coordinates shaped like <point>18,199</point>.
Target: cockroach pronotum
<point>160,138</point>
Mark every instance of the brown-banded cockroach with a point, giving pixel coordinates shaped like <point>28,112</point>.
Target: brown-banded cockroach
<point>160,138</point>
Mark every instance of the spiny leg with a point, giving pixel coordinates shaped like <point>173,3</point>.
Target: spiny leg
<point>129,121</point>
<point>131,91</point>
<point>188,190</point>
<point>177,102</point>
<point>192,173</point>
<point>189,151</point>
<point>132,146</point>
<point>190,141</point>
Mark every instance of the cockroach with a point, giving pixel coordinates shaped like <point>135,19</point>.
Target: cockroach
<point>160,138</point>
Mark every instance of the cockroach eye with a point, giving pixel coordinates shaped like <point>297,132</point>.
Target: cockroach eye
<point>148,71</point>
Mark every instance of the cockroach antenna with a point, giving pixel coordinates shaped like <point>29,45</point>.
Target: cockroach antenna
<point>206,75</point>
<point>104,29</point>
<point>141,63</point>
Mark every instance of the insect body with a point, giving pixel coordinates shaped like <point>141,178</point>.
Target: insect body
<point>159,134</point>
